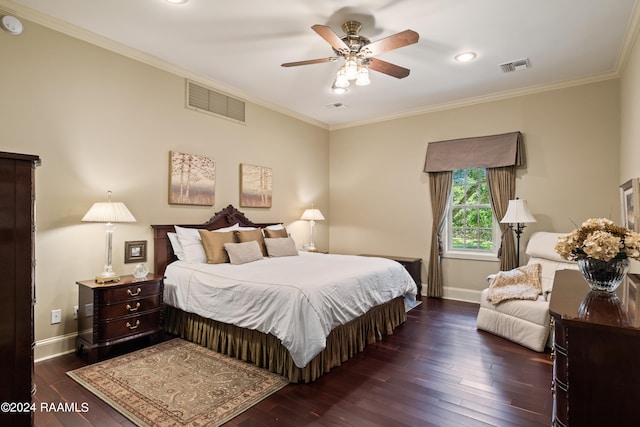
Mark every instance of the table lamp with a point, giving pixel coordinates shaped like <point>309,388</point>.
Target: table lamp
<point>312,215</point>
<point>109,213</point>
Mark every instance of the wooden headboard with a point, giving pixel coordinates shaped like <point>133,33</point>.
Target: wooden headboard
<point>163,252</point>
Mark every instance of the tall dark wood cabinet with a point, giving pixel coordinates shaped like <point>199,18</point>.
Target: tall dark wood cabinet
<point>17,287</point>
<point>596,366</point>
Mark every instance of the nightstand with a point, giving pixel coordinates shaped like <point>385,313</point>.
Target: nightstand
<point>114,313</point>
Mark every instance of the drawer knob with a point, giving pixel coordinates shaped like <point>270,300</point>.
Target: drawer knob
<point>132,309</point>
<point>132,327</point>
<point>132,294</point>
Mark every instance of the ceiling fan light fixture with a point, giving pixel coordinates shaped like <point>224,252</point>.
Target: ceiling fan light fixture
<point>363,76</point>
<point>341,78</point>
<point>351,68</point>
<point>465,57</point>
<point>339,90</point>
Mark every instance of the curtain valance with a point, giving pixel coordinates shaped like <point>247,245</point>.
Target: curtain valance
<point>491,151</point>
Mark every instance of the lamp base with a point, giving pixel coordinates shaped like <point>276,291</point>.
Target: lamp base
<point>107,276</point>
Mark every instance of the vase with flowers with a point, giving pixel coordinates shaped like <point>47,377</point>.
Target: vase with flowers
<point>602,250</point>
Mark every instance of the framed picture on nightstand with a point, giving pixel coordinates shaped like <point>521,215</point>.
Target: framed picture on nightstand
<point>135,251</point>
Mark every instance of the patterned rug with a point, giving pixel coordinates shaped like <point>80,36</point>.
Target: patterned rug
<point>177,383</point>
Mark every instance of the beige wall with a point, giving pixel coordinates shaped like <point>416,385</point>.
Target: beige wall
<point>630,121</point>
<point>100,121</point>
<point>380,199</point>
<point>630,116</point>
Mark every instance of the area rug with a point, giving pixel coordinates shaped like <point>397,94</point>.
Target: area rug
<point>178,383</point>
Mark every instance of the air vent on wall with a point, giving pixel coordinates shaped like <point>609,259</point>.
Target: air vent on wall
<point>517,65</point>
<point>204,99</point>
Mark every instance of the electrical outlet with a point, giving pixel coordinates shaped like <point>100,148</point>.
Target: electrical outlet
<point>56,315</point>
<point>75,311</point>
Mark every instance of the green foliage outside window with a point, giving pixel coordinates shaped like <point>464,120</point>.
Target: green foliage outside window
<point>471,216</point>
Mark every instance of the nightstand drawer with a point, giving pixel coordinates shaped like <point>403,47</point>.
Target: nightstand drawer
<point>134,325</point>
<point>125,293</point>
<point>128,307</point>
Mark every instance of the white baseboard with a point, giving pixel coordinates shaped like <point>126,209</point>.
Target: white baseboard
<point>55,346</point>
<point>461,294</point>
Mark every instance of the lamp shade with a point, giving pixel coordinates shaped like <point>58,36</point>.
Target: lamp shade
<point>312,215</point>
<point>109,212</point>
<point>518,212</point>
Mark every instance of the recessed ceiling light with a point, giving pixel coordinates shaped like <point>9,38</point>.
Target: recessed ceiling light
<point>465,57</point>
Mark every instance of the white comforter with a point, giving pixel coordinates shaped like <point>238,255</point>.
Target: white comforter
<point>299,299</point>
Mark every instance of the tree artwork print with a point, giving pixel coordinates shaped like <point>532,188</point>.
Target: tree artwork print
<point>192,179</point>
<point>255,186</point>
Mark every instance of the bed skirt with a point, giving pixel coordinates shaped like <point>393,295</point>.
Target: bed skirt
<point>266,351</point>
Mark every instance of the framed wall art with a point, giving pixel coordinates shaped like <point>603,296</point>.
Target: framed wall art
<point>255,186</point>
<point>630,204</point>
<point>192,179</point>
<point>135,251</point>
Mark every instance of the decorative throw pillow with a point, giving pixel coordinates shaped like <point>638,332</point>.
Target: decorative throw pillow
<point>242,253</point>
<point>249,235</point>
<point>519,283</point>
<point>191,242</point>
<point>281,246</point>
<point>275,233</point>
<point>213,244</point>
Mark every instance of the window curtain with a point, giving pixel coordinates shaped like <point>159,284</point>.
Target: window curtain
<point>502,188</point>
<point>440,188</point>
<point>501,152</point>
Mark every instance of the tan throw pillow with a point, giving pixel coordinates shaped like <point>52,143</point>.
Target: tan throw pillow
<point>281,246</point>
<point>519,283</point>
<point>249,235</point>
<point>274,234</point>
<point>242,253</point>
<point>213,244</point>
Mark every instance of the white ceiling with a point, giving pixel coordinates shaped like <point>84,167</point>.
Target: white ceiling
<point>238,46</point>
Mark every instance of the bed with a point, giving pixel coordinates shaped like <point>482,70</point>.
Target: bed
<point>291,315</point>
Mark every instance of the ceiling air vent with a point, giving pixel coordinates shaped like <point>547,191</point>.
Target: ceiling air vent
<point>336,106</point>
<point>207,100</point>
<point>517,65</point>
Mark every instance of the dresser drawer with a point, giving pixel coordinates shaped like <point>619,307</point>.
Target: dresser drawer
<point>124,293</point>
<point>134,325</point>
<point>128,307</point>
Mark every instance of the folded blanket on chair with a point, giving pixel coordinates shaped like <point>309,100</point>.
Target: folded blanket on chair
<point>519,283</point>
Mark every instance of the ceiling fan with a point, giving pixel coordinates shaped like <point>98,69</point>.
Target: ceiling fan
<point>358,53</point>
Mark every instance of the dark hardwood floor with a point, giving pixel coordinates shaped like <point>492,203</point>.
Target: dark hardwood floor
<point>436,370</point>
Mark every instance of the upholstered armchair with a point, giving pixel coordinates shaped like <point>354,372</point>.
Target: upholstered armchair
<point>524,321</point>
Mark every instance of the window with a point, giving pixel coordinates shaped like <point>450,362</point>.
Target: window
<point>471,228</point>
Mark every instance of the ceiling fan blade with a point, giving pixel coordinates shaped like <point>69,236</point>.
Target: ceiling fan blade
<point>388,68</point>
<point>332,38</point>
<point>386,44</point>
<point>310,61</point>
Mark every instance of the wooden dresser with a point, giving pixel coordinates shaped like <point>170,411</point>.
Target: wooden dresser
<point>114,313</point>
<point>17,264</point>
<point>596,353</point>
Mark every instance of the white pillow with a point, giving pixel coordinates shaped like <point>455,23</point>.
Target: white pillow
<point>281,246</point>
<point>241,253</point>
<point>191,243</point>
<point>275,227</point>
<point>175,244</point>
